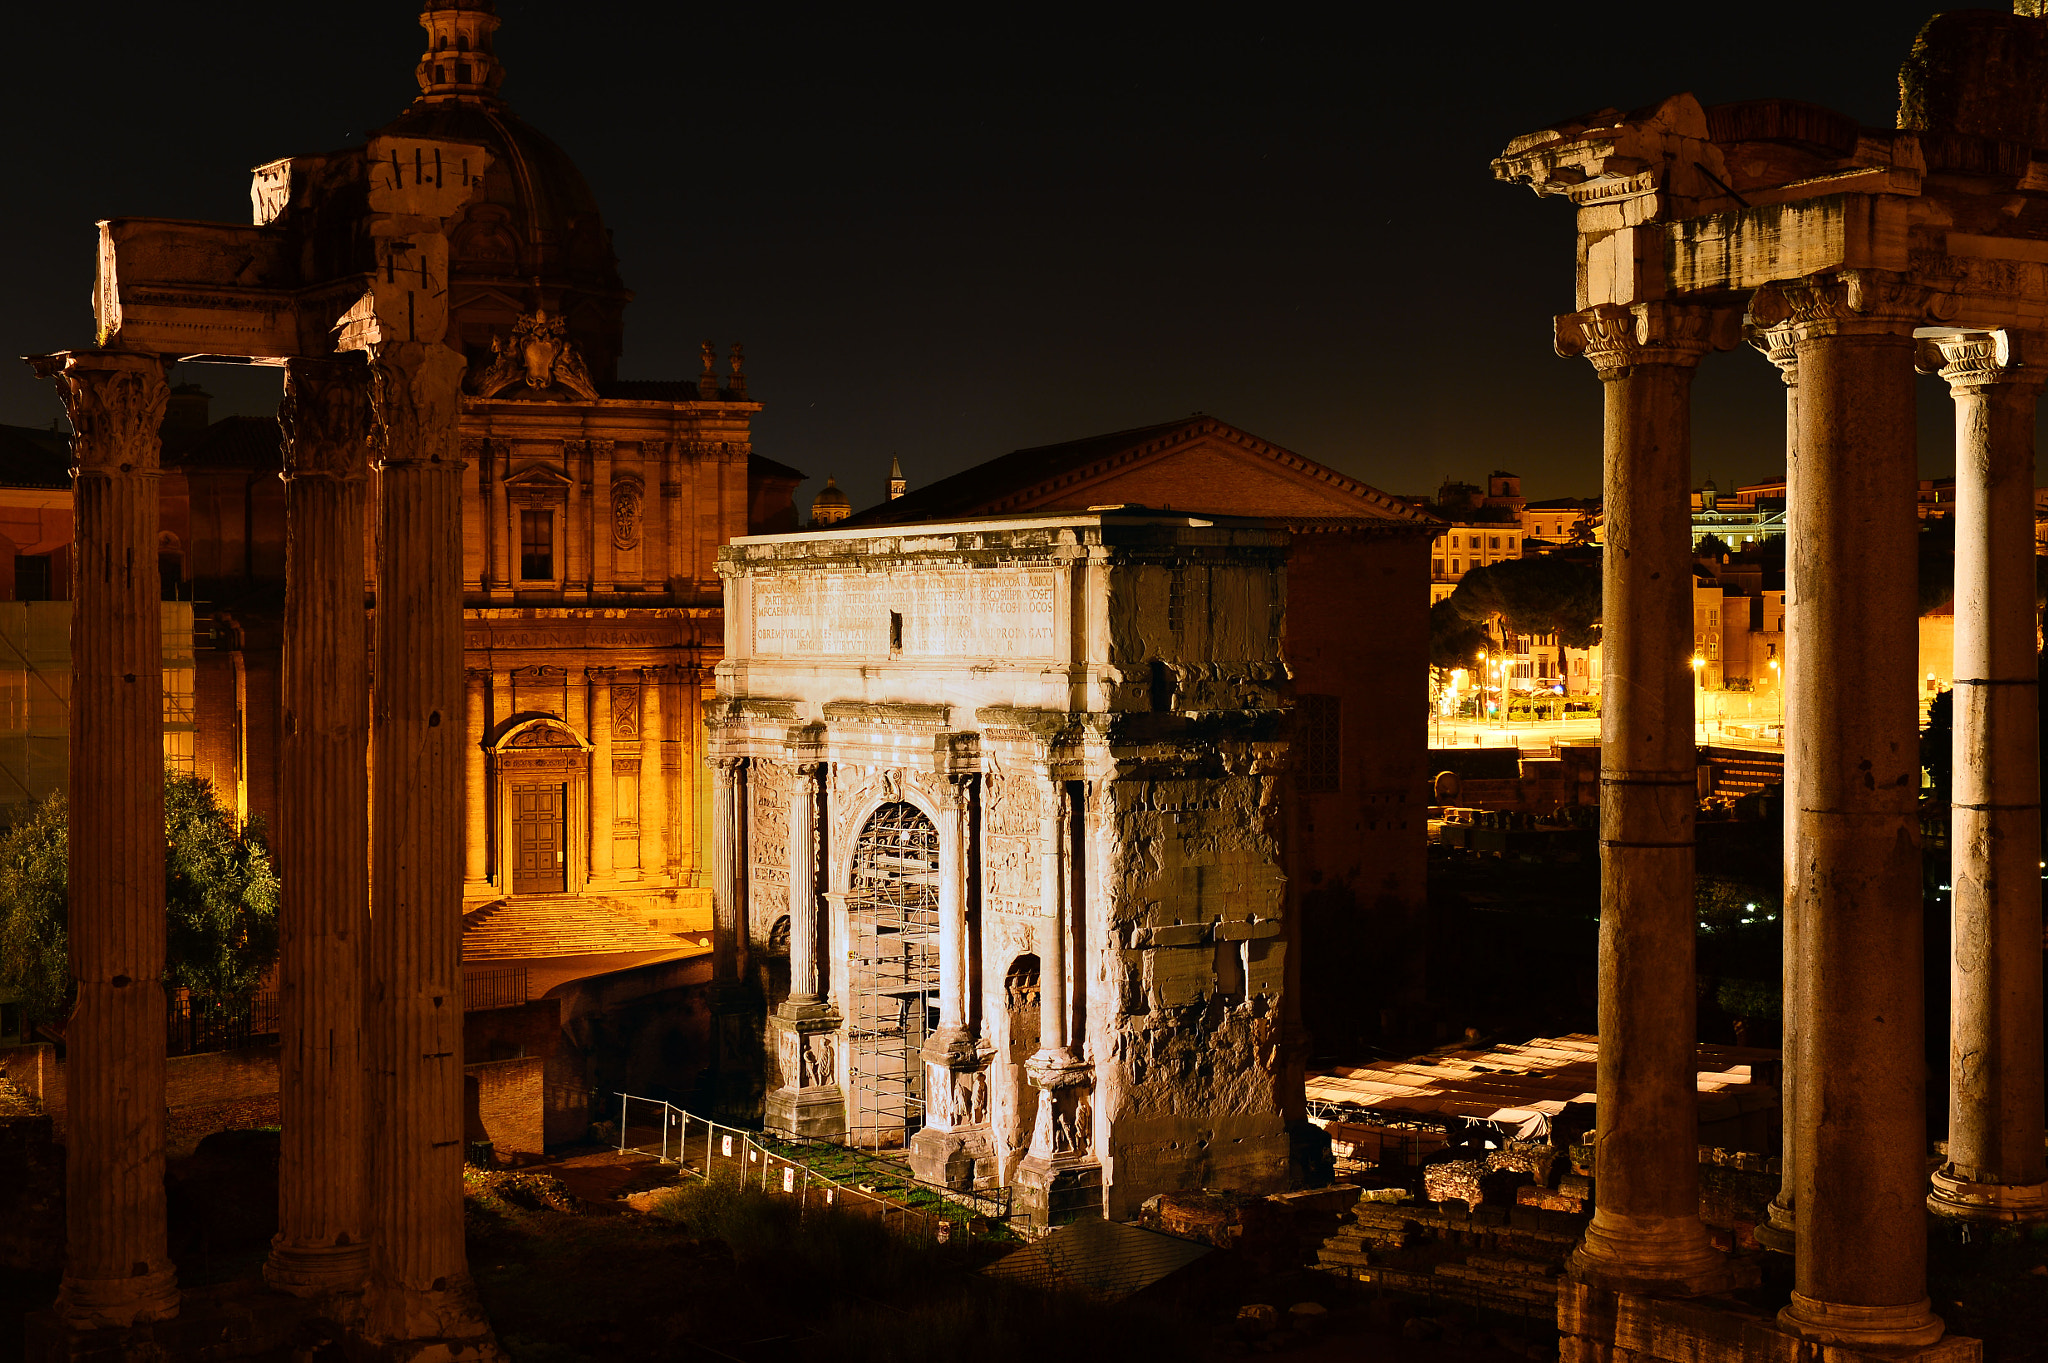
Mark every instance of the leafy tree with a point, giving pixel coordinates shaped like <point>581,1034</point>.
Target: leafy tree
<point>1454,642</point>
<point>220,901</point>
<point>1710,548</point>
<point>1546,595</point>
<point>1937,745</point>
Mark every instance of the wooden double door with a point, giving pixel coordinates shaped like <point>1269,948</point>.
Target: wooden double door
<point>540,852</point>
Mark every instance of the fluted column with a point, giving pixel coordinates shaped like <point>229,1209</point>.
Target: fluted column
<point>420,1288</point>
<point>1860,1176</point>
<point>322,1243</point>
<point>1995,1170</point>
<point>956,843</point>
<point>1056,1176</point>
<point>728,866</point>
<point>476,841</point>
<point>601,811</point>
<point>1780,1229</point>
<point>653,789</point>
<point>117,1270</point>
<point>1646,1234</point>
<point>804,986</point>
<point>956,1145</point>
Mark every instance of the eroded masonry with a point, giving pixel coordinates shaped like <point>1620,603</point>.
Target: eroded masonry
<point>1848,256</point>
<point>1009,791</point>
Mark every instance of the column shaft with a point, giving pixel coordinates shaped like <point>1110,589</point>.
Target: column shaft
<point>728,853</point>
<point>653,787</point>
<point>1995,1169</point>
<point>117,1270</point>
<point>601,811</point>
<point>956,844</point>
<point>1859,1172</point>
<point>322,1243</point>
<point>420,1287</point>
<point>804,986</point>
<point>1646,1232</point>
<point>1054,1032</point>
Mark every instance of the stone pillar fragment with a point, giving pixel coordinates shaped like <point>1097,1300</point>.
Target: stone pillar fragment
<point>602,813</point>
<point>1995,1170</point>
<point>117,1270</point>
<point>475,781</point>
<point>420,1286</point>
<point>322,1243</point>
<point>956,1146</point>
<point>1646,1234</point>
<point>1859,1170</point>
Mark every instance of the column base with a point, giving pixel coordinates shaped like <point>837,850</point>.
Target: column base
<point>317,1270</point>
<point>804,1035</point>
<point>1053,1192</point>
<point>1657,1256</point>
<point>1597,1326</point>
<point>1961,1199</point>
<point>1780,1233</point>
<point>103,1303</point>
<point>1912,1326</point>
<point>817,1114</point>
<point>962,1158</point>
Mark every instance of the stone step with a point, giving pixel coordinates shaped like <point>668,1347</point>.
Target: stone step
<point>1508,1263</point>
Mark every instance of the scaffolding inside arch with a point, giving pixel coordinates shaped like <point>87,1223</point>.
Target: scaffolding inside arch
<point>893,973</point>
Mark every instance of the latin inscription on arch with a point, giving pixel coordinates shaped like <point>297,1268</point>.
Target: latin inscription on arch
<point>966,613</point>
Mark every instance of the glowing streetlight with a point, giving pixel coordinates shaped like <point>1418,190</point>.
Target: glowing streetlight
<point>1778,685</point>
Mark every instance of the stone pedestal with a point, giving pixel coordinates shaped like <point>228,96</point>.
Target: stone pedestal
<point>117,1269</point>
<point>956,1147</point>
<point>1995,1170</point>
<point>1060,1180</point>
<point>322,1243</point>
<point>1646,1232</point>
<point>808,1101</point>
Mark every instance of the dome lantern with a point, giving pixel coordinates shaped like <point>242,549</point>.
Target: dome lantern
<point>459,62</point>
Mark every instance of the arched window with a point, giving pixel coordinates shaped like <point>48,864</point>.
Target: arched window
<point>892,911</point>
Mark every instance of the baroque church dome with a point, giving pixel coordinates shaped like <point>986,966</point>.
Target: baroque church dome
<point>533,239</point>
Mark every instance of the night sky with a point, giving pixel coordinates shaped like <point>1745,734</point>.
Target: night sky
<point>952,233</point>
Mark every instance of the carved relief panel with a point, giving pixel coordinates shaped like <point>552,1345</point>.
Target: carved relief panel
<point>625,712</point>
<point>769,785</point>
<point>1010,833</point>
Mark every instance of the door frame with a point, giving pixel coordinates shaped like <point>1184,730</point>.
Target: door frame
<point>543,750</point>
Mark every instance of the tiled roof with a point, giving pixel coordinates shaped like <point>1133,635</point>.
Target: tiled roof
<point>1103,1260</point>
<point>1022,478</point>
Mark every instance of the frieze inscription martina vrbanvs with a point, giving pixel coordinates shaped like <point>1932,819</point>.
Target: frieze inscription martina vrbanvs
<point>928,615</point>
<point>572,638</point>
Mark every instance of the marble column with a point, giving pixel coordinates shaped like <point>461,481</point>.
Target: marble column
<point>736,1018</point>
<point>653,786</point>
<point>956,1146</point>
<point>601,790</point>
<point>1860,1175</point>
<point>1995,1170</point>
<point>1646,1234</point>
<point>420,1288</point>
<point>807,1100</point>
<point>117,1270</point>
<point>1780,1229</point>
<point>1055,1178</point>
<point>322,1242</point>
<point>476,882</point>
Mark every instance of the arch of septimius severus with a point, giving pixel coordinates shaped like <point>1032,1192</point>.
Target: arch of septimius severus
<point>539,538</point>
<point>1848,256</point>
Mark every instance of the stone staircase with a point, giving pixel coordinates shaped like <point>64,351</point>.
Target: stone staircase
<point>509,930</point>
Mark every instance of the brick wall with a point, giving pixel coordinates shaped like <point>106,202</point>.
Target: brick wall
<point>502,1103</point>
<point>534,1029</point>
<point>190,1080</point>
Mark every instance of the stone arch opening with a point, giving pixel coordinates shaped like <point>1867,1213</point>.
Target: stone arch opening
<point>892,911</point>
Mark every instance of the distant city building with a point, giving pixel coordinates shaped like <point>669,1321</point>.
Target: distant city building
<point>831,505</point>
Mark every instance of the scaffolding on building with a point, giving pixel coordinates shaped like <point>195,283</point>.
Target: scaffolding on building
<point>893,974</point>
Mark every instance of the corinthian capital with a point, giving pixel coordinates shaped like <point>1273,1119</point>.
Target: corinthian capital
<point>1978,359</point>
<point>416,392</point>
<point>116,404</point>
<point>326,418</point>
<point>1844,302</point>
<point>1617,336</point>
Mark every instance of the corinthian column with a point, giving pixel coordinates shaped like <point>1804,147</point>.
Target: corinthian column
<point>1646,1233</point>
<point>476,709</point>
<point>956,1137</point>
<point>1859,1177</point>
<point>117,1270</point>
<point>804,1027</point>
<point>420,1288</point>
<point>1780,1229</point>
<point>1995,1170</point>
<point>324,836</point>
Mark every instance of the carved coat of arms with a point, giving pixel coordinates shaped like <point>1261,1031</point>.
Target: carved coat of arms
<point>539,354</point>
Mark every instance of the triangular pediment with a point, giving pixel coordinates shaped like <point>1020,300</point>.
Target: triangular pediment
<point>540,478</point>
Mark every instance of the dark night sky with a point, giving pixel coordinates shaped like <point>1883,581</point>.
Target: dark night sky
<point>952,236</point>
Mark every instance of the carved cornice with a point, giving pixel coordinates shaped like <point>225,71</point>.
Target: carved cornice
<point>1617,337</point>
<point>116,404</point>
<point>1972,361</point>
<point>1851,302</point>
<point>326,418</point>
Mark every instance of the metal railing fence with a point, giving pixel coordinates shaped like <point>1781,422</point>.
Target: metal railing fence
<point>713,1151</point>
<point>194,1026</point>
<point>503,988</point>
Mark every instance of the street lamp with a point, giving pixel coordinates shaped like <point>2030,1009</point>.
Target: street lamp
<point>1778,685</point>
<point>1699,708</point>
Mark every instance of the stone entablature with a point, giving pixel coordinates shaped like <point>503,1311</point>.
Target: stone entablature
<point>1009,790</point>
